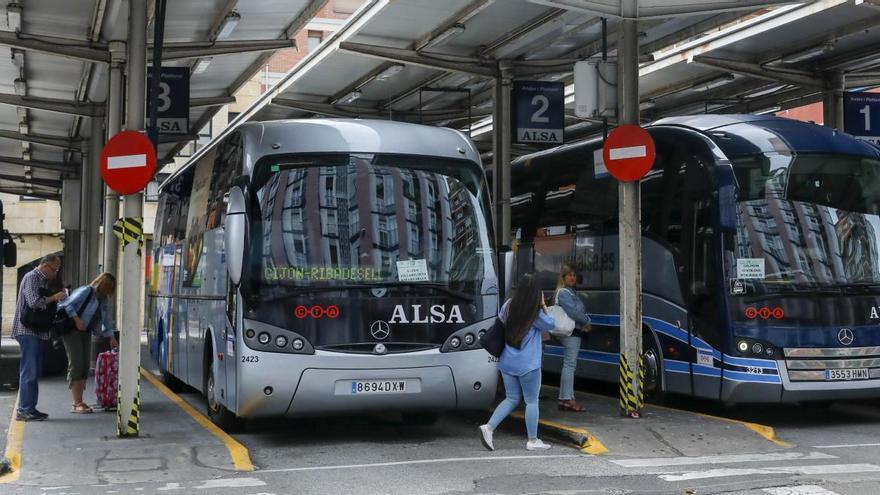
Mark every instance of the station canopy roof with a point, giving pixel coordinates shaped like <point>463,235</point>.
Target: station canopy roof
<point>421,61</point>
<point>55,70</point>
<point>697,57</point>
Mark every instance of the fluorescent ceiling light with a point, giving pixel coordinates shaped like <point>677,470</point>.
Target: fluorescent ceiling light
<point>23,127</point>
<point>228,25</point>
<point>20,86</point>
<point>647,105</point>
<point>13,17</point>
<point>349,98</point>
<point>201,65</point>
<point>26,155</point>
<point>813,52</point>
<point>713,83</point>
<point>767,110</point>
<point>453,31</point>
<point>18,57</point>
<point>390,72</point>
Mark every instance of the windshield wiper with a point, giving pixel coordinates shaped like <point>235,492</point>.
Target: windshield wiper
<point>296,291</point>
<point>795,292</point>
<point>431,285</point>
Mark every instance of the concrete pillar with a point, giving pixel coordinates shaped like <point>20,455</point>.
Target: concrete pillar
<point>501,162</point>
<point>92,201</point>
<point>111,199</point>
<point>630,244</point>
<point>129,345</point>
<point>832,102</point>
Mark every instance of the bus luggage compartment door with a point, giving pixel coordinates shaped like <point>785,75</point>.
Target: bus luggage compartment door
<point>323,391</point>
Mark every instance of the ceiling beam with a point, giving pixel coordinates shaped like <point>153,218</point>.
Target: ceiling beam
<point>62,47</point>
<point>36,182</point>
<point>53,105</point>
<point>176,138</point>
<point>667,9</point>
<point>211,102</point>
<point>439,62</point>
<point>180,51</point>
<point>58,142</point>
<point>69,168</point>
<point>799,78</point>
<point>34,193</point>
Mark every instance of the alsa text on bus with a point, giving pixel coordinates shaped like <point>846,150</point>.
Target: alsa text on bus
<point>438,314</point>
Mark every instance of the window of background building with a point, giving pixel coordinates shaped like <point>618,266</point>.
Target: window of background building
<point>346,6</point>
<point>187,150</point>
<point>314,40</point>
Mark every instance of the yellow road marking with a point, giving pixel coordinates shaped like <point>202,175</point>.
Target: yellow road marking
<point>13,446</point>
<point>590,445</point>
<point>241,458</point>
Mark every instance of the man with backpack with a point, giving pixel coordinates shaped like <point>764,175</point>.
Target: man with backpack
<point>34,313</point>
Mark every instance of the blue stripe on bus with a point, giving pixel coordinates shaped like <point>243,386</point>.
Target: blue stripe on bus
<point>598,356</point>
<point>758,363</point>
<point>661,326</point>
<point>700,369</point>
<point>749,377</point>
<point>676,366</point>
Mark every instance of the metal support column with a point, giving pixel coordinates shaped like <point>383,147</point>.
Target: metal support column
<point>629,221</point>
<point>92,200</point>
<point>832,101</point>
<point>501,162</point>
<point>111,199</point>
<point>85,218</point>
<point>129,345</point>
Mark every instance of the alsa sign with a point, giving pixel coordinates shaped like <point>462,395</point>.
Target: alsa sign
<point>539,112</point>
<point>173,100</point>
<point>436,313</point>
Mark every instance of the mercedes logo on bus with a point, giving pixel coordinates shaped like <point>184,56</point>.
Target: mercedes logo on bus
<point>845,336</point>
<point>380,330</point>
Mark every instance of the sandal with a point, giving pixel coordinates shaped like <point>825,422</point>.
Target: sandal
<point>570,405</point>
<point>81,408</point>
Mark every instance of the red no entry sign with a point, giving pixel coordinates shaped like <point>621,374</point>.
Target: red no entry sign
<point>128,162</point>
<point>628,153</point>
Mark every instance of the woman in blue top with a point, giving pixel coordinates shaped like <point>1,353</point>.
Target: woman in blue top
<point>525,318</point>
<point>87,309</point>
<point>574,308</point>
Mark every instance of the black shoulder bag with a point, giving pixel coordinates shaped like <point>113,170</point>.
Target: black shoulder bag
<point>63,323</point>
<point>39,319</point>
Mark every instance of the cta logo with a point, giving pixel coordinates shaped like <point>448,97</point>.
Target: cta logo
<point>316,311</point>
<point>765,313</point>
<point>436,313</point>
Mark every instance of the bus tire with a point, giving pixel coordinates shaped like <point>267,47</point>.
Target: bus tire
<point>420,419</point>
<point>225,419</point>
<point>653,359</point>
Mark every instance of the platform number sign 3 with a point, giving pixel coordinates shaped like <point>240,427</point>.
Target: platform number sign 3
<point>173,100</point>
<point>861,115</point>
<point>539,112</point>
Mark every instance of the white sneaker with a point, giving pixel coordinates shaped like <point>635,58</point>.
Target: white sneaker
<point>537,444</point>
<point>486,437</point>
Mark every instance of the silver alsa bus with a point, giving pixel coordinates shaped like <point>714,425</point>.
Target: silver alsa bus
<point>311,267</point>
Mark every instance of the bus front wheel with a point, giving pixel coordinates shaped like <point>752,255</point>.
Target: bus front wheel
<point>651,357</point>
<point>220,416</point>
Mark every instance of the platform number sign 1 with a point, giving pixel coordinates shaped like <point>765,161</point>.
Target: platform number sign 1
<point>861,115</point>
<point>539,112</point>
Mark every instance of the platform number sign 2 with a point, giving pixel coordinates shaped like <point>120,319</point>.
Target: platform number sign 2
<point>861,115</point>
<point>539,112</point>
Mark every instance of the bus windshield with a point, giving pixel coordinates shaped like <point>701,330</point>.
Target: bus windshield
<point>812,219</point>
<point>339,221</point>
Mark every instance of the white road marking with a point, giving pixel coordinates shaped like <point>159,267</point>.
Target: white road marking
<point>126,161</point>
<point>720,459</point>
<point>423,461</point>
<point>852,445</point>
<point>230,483</point>
<point>628,152</point>
<point>169,486</point>
<point>799,490</point>
<point>805,470</point>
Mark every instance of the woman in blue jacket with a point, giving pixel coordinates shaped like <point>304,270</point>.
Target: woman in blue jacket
<point>525,318</point>
<point>574,308</point>
<point>87,309</point>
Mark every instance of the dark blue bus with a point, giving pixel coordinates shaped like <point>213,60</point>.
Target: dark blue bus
<point>761,278</point>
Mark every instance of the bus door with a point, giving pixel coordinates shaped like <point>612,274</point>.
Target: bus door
<point>702,296</point>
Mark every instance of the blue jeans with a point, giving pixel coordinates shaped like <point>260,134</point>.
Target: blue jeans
<point>517,388</point>
<point>29,372</point>
<point>572,345</point>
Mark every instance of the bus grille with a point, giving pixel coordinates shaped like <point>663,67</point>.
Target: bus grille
<point>813,365</point>
<point>367,348</point>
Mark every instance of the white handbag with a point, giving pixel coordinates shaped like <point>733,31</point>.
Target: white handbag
<point>564,325</point>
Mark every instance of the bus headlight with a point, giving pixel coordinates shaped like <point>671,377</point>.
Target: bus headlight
<point>250,333</point>
<point>298,344</point>
<point>742,345</point>
<point>264,338</point>
<point>455,342</point>
<point>469,339</point>
<point>757,348</point>
<point>281,341</point>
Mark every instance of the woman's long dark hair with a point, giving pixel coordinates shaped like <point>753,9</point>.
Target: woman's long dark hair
<point>522,310</point>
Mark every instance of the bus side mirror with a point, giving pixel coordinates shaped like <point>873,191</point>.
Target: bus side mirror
<point>235,233</point>
<point>10,253</point>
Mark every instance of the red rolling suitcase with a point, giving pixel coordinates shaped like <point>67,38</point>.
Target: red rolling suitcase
<point>107,378</point>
